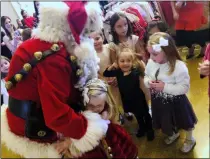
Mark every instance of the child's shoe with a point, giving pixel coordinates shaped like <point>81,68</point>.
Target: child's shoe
<point>170,139</point>
<point>188,145</point>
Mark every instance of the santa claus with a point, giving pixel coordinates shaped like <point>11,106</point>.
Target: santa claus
<point>41,84</point>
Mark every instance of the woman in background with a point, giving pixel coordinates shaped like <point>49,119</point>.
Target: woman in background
<point>13,36</point>
<point>189,17</point>
<point>28,21</point>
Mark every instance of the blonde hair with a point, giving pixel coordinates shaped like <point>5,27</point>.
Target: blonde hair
<point>97,87</point>
<point>3,75</point>
<point>5,58</point>
<point>137,64</point>
<point>170,51</point>
<point>110,109</point>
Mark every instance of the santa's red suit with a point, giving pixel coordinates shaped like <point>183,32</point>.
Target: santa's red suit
<point>116,144</point>
<point>50,84</point>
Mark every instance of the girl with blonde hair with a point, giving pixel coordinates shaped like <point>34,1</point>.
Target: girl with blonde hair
<point>129,73</point>
<point>168,79</point>
<point>117,143</point>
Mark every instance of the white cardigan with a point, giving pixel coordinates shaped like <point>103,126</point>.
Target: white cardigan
<point>178,83</point>
<point>4,92</point>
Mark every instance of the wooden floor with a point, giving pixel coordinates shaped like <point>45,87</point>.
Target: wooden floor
<point>198,95</point>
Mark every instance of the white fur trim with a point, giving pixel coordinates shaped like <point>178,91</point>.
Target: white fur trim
<point>88,60</point>
<point>53,26</point>
<point>22,145</point>
<point>95,18</point>
<point>96,130</point>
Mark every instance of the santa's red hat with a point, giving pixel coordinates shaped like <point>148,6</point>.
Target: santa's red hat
<point>77,18</point>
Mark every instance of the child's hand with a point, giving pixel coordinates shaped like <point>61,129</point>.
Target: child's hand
<point>62,146</point>
<point>157,85</point>
<point>204,68</point>
<point>112,81</point>
<point>113,66</point>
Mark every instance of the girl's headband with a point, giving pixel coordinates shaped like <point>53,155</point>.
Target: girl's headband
<point>94,84</point>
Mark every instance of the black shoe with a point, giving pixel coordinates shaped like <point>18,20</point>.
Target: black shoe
<point>140,133</point>
<point>150,135</point>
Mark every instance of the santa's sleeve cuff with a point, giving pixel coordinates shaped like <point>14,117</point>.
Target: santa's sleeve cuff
<point>96,130</point>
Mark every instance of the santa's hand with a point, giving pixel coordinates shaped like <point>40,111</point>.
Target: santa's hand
<point>62,146</point>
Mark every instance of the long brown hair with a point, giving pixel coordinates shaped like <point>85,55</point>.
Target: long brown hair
<point>170,51</point>
<point>113,20</point>
<point>3,20</point>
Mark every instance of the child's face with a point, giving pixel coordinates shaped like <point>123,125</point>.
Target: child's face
<point>96,104</point>
<point>158,57</point>
<point>121,27</point>
<point>125,62</point>
<point>98,40</point>
<point>4,66</point>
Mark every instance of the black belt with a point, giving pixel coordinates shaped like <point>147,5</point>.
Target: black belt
<point>21,108</point>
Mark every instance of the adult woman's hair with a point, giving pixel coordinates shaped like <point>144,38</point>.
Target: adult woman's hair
<point>3,21</point>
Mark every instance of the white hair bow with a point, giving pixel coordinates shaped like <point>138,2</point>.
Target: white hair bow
<point>162,42</point>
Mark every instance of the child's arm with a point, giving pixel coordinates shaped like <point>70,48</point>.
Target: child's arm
<point>140,50</point>
<point>147,78</point>
<point>142,85</point>
<point>144,89</point>
<point>111,71</point>
<point>113,53</point>
<point>182,81</point>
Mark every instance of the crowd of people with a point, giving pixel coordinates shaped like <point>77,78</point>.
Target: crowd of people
<point>138,62</point>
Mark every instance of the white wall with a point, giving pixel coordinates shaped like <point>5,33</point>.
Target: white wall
<point>27,6</point>
<point>8,10</point>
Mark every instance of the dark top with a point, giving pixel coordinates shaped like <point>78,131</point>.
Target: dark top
<point>4,49</point>
<point>129,87</point>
